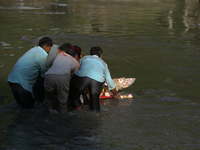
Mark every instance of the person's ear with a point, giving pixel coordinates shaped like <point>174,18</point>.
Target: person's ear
<point>47,48</point>
<point>77,57</point>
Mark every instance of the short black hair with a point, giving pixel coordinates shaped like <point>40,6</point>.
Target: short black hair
<point>72,52</point>
<point>45,41</point>
<point>65,47</point>
<point>96,51</point>
<point>78,49</point>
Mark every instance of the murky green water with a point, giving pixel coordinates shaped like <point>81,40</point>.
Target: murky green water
<point>155,41</point>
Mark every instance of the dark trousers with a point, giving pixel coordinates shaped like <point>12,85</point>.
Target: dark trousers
<point>23,97</point>
<point>59,84</point>
<point>38,90</point>
<point>78,84</point>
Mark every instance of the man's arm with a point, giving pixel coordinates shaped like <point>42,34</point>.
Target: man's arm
<point>111,84</point>
<point>41,64</point>
<point>115,93</point>
<point>51,56</point>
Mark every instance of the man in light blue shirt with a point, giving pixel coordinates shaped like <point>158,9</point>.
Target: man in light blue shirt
<point>26,71</point>
<point>92,74</point>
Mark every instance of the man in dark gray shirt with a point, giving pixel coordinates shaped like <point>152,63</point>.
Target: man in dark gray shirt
<point>57,78</point>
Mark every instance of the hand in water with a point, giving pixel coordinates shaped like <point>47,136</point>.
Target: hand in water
<point>117,96</point>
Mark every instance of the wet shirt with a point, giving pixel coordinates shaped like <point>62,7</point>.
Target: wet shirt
<point>52,55</point>
<point>28,67</point>
<point>64,64</point>
<point>95,68</point>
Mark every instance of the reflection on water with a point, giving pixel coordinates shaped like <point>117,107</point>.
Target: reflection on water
<point>156,41</point>
<point>20,7</point>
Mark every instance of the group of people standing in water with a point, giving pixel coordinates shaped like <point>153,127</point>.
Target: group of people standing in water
<point>58,75</point>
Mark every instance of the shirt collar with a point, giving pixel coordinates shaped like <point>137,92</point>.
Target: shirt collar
<point>95,56</point>
<point>42,49</point>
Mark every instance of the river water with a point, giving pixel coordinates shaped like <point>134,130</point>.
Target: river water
<point>154,41</point>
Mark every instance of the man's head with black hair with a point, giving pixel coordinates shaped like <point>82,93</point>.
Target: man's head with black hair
<point>96,51</point>
<point>65,47</point>
<point>45,41</point>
